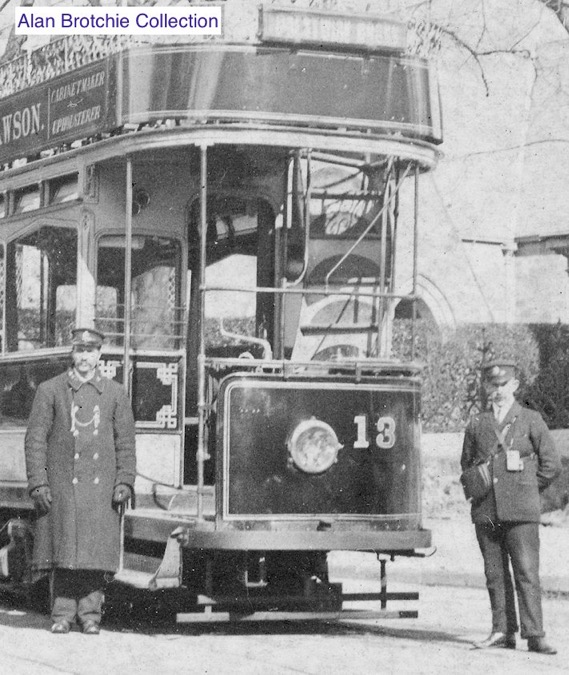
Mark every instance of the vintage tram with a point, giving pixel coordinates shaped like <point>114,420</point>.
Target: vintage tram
<point>240,219</point>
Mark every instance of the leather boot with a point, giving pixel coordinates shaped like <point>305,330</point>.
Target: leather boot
<point>61,626</point>
<point>539,645</point>
<point>498,639</point>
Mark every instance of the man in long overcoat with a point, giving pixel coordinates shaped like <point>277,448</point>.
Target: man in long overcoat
<point>80,456</point>
<point>515,444</point>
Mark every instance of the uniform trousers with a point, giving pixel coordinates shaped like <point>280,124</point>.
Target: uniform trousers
<point>77,594</point>
<point>518,543</point>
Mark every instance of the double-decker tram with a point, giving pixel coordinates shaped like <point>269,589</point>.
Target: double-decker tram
<point>240,219</point>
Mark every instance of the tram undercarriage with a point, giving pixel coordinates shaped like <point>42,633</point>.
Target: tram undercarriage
<point>222,584</point>
<point>215,585</point>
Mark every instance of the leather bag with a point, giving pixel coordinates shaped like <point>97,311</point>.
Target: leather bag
<point>476,481</point>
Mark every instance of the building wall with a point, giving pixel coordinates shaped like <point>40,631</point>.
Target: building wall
<point>542,289</point>
<point>502,174</point>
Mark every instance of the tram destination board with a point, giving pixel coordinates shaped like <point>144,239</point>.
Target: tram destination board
<point>66,108</point>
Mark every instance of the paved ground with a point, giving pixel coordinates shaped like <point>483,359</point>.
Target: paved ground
<point>439,641</point>
<point>453,612</point>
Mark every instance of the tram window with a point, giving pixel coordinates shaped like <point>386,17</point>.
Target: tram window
<point>3,203</point>
<point>232,234</point>
<point>17,390</point>
<point>63,189</point>
<point>351,236</point>
<point>235,309</point>
<point>18,385</point>
<point>41,281</point>
<point>348,218</point>
<point>156,320</point>
<point>239,255</point>
<point>343,204</point>
<point>27,199</point>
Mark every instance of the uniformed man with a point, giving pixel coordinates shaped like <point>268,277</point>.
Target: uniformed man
<point>80,456</point>
<point>522,460</point>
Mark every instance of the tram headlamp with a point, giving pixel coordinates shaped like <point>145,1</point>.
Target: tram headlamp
<point>313,446</point>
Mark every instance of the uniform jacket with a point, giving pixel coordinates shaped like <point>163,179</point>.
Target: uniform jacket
<point>515,494</point>
<point>81,442</point>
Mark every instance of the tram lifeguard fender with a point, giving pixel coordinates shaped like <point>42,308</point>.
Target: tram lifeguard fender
<point>399,543</point>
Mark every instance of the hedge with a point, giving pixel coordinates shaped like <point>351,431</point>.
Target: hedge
<point>452,365</point>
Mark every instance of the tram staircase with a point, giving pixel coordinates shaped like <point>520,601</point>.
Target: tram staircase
<point>176,511</point>
<point>167,575</point>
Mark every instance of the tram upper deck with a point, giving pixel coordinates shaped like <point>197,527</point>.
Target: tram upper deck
<point>348,107</point>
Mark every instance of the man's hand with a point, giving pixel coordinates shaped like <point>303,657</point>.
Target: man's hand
<point>42,499</point>
<point>121,494</point>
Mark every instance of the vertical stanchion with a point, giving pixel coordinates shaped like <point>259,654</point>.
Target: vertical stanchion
<point>415,258</point>
<point>202,451</point>
<point>122,510</point>
<point>127,275</point>
<point>383,565</point>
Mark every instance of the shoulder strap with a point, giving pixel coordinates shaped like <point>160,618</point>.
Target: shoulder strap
<point>501,435</point>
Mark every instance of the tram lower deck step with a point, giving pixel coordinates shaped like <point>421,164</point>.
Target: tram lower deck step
<point>134,578</point>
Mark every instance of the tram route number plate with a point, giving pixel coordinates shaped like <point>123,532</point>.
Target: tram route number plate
<point>385,437</point>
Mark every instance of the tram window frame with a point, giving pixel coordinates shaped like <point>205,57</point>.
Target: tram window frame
<point>4,201</point>
<point>333,187</point>
<point>339,212</point>
<point>113,326</point>
<point>26,199</point>
<point>226,239</point>
<point>56,189</point>
<point>55,270</point>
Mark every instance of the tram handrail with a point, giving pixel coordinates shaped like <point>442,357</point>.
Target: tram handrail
<point>315,290</point>
<point>286,369</point>
<point>267,350</point>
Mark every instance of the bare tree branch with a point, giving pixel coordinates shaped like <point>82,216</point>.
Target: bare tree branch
<point>461,43</point>
<point>477,55</point>
<point>510,148</point>
<point>561,9</point>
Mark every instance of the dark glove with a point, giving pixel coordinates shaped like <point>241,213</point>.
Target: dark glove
<point>42,499</point>
<point>121,494</point>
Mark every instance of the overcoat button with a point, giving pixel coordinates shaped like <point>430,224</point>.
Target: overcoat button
<point>76,455</point>
<point>96,455</point>
<point>75,481</point>
<point>96,481</point>
<point>495,480</point>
